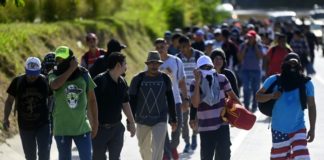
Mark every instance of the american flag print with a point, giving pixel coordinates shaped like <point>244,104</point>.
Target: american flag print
<point>289,146</point>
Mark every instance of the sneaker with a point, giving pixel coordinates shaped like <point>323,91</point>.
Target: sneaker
<point>194,142</point>
<point>187,148</point>
<point>175,154</point>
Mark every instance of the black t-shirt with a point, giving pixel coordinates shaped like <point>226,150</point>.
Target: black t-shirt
<point>30,101</point>
<point>110,97</point>
<point>101,65</point>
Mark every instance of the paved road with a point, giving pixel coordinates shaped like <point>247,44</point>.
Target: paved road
<point>246,145</point>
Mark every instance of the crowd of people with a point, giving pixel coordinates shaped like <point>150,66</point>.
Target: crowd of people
<point>185,84</point>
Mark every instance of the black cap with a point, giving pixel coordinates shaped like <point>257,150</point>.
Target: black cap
<point>292,55</point>
<point>114,46</point>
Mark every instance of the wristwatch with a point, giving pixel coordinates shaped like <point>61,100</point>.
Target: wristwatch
<point>187,99</point>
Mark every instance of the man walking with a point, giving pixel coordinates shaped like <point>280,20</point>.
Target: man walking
<point>293,92</point>
<point>151,101</point>
<point>30,93</point>
<point>75,114</point>
<point>112,98</point>
<point>173,66</point>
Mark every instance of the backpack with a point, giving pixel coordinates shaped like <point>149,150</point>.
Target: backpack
<point>85,76</point>
<point>267,107</point>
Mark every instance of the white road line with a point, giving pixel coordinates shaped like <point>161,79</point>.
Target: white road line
<point>319,78</point>
<point>236,142</point>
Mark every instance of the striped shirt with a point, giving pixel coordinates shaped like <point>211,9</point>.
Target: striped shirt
<point>189,64</point>
<point>209,117</point>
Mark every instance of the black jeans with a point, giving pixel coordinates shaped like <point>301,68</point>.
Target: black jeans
<point>108,138</point>
<point>215,144</point>
<point>36,141</point>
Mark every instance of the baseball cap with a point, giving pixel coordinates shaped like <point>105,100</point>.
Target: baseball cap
<point>200,32</point>
<point>217,31</point>
<point>167,34</point>
<point>115,46</point>
<point>33,66</point>
<point>204,60</point>
<point>250,26</point>
<point>62,52</point>
<point>251,33</point>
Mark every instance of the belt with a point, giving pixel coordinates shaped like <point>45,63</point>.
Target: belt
<point>109,125</point>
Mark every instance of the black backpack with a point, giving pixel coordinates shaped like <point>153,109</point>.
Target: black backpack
<point>267,107</point>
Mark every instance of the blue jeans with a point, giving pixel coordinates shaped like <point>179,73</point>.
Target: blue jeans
<point>251,80</point>
<point>175,136</point>
<point>82,142</point>
<point>40,138</point>
<point>111,139</point>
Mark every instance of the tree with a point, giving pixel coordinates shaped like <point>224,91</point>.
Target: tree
<point>18,3</point>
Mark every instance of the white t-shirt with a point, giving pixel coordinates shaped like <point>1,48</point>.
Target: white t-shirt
<point>173,66</point>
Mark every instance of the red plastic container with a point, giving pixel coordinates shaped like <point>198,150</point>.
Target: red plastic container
<point>238,116</point>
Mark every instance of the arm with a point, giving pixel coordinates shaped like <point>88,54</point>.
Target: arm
<point>242,52</point>
<point>233,96</point>
<point>60,80</point>
<point>7,110</point>
<point>262,97</point>
<point>93,112</point>
<point>183,89</point>
<point>312,118</point>
<point>258,51</point>
<point>195,98</point>
<point>130,119</point>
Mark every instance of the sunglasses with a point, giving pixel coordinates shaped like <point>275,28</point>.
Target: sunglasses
<point>206,67</point>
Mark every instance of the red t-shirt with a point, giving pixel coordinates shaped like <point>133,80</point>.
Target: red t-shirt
<point>276,56</point>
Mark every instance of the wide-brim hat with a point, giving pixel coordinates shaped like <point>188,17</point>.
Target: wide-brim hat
<point>154,56</point>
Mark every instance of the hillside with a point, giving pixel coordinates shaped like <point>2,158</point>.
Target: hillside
<point>20,40</point>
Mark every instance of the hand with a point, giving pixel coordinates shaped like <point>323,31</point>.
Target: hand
<point>197,74</point>
<point>94,131</point>
<point>173,126</point>
<point>276,95</point>
<point>310,135</point>
<point>193,124</point>
<point>131,128</point>
<point>185,106</point>
<point>6,125</point>
<point>74,63</point>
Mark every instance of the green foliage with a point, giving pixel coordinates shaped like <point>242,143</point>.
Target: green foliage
<point>18,3</point>
<point>175,15</point>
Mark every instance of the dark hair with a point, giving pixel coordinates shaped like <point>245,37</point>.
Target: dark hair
<point>226,33</point>
<point>114,58</point>
<point>176,36</point>
<point>184,39</point>
<point>219,52</point>
<point>159,40</point>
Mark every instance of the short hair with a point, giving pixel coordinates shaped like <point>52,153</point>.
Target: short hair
<point>176,36</point>
<point>184,39</point>
<point>159,40</point>
<point>114,58</point>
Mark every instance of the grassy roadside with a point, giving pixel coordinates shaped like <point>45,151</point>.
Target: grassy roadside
<point>20,40</point>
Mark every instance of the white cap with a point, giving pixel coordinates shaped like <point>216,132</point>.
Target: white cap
<point>204,60</point>
<point>217,30</point>
<point>33,66</point>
